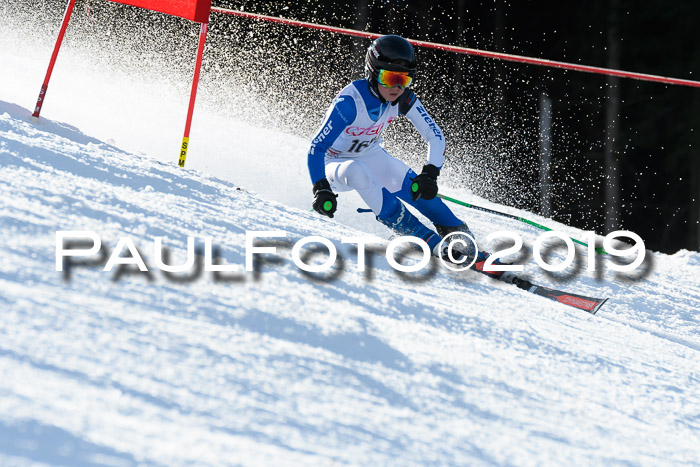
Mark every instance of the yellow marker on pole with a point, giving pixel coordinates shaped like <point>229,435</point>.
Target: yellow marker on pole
<point>193,94</point>
<point>183,151</point>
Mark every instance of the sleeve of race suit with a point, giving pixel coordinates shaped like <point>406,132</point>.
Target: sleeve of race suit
<point>341,113</point>
<point>430,131</point>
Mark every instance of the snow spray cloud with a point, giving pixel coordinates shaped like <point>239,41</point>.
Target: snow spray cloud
<point>137,48</point>
<point>89,246</point>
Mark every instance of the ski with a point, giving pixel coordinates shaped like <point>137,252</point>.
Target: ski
<point>582,302</point>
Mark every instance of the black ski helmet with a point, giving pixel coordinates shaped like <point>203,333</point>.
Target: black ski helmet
<point>389,52</point>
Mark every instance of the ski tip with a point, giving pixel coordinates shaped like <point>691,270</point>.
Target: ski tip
<point>597,307</point>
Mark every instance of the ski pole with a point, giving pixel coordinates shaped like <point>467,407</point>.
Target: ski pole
<point>598,250</point>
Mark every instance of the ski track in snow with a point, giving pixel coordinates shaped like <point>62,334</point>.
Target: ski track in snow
<point>275,368</point>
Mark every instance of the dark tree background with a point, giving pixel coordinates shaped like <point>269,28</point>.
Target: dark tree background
<point>623,153</point>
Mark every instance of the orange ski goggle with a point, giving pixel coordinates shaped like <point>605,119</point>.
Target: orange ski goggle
<point>389,79</point>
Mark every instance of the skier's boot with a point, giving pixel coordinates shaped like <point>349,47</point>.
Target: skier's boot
<point>505,276</point>
<point>444,230</point>
<point>460,241</point>
<point>460,251</point>
<point>406,224</point>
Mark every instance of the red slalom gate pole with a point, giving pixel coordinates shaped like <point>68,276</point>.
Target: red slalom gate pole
<point>555,64</point>
<point>193,94</point>
<point>468,51</point>
<point>57,47</point>
<point>292,22</point>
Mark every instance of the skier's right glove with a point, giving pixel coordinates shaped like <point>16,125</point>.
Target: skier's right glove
<point>324,199</point>
<point>425,184</point>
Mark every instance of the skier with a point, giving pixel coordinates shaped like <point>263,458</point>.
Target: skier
<point>346,153</point>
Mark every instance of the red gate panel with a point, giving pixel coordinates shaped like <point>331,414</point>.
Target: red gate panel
<point>195,10</point>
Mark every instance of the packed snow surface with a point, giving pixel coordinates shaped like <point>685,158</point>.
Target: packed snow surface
<point>275,367</point>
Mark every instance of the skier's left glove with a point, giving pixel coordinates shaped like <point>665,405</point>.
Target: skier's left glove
<point>324,199</point>
<point>425,184</point>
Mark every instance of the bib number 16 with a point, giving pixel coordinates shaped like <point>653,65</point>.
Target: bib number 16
<point>358,146</point>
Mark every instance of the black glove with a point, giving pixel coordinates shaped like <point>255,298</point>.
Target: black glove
<point>324,199</point>
<point>425,184</point>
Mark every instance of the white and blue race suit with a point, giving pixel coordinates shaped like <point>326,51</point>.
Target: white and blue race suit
<point>347,151</point>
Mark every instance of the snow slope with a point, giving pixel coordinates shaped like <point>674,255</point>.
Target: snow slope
<point>277,368</point>
<point>282,368</point>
